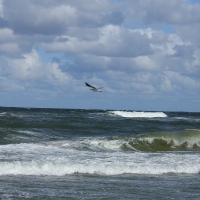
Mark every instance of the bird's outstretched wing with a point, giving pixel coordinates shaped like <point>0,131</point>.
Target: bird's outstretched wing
<point>90,85</point>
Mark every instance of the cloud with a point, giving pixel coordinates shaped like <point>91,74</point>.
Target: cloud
<point>31,69</point>
<point>41,20</point>
<point>50,18</point>
<point>182,82</point>
<point>120,44</point>
<point>7,85</point>
<point>1,8</point>
<point>6,34</point>
<point>179,12</point>
<point>111,41</point>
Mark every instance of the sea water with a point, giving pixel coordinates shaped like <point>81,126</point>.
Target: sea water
<point>99,154</point>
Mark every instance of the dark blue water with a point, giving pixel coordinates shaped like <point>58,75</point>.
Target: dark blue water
<point>98,154</point>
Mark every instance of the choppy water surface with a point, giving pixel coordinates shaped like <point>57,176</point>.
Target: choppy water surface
<point>98,154</point>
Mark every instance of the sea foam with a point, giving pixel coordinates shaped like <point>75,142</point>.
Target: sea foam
<point>152,166</point>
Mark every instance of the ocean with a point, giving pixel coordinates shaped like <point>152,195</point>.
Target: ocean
<point>99,154</point>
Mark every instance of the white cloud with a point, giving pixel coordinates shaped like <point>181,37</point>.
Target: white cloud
<point>113,41</point>
<point>146,63</point>
<point>122,45</point>
<point>31,68</point>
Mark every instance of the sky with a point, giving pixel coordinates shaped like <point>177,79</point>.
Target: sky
<point>146,53</point>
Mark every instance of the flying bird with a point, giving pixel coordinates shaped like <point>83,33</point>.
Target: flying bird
<point>94,89</point>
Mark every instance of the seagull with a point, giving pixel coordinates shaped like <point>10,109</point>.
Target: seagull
<point>94,89</point>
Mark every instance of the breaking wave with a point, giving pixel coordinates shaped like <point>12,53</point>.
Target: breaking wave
<point>180,141</point>
<point>137,114</point>
<point>155,153</point>
<point>165,141</point>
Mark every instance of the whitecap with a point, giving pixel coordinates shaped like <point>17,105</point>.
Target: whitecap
<point>137,114</point>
